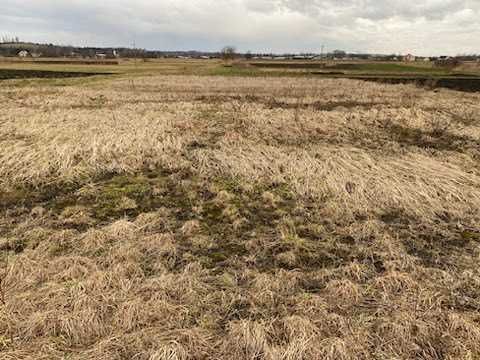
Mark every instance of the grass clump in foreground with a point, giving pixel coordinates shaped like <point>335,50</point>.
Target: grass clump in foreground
<point>239,218</point>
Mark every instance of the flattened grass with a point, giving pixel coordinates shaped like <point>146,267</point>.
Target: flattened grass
<point>196,217</point>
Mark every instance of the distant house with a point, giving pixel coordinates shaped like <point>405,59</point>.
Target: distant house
<point>101,56</point>
<point>409,58</point>
<point>23,54</point>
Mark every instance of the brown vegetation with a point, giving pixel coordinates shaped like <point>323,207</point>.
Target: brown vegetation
<point>239,218</point>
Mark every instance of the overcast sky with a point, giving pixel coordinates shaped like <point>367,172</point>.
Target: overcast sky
<point>423,27</point>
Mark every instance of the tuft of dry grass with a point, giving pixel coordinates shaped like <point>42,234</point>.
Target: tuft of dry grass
<point>239,218</point>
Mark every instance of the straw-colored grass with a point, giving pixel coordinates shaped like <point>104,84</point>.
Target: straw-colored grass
<point>186,217</point>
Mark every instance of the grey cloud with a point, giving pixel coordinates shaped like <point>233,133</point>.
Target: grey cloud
<point>424,26</point>
<point>375,9</point>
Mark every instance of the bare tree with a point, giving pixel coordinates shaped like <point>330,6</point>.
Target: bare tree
<point>228,53</point>
<point>6,39</point>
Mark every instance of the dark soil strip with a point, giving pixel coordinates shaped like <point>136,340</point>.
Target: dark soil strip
<point>465,84</point>
<point>7,74</point>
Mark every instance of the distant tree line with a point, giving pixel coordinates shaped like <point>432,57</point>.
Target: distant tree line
<point>50,50</point>
<point>11,46</point>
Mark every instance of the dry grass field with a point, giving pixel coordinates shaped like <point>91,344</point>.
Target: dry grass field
<point>194,217</point>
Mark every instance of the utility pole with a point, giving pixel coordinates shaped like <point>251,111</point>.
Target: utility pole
<point>135,53</point>
<point>135,63</point>
<point>323,48</point>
